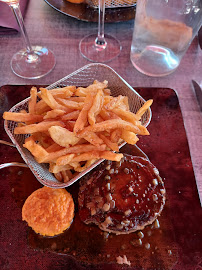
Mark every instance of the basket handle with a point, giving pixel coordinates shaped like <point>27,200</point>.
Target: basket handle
<point>7,143</point>
<point>10,164</point>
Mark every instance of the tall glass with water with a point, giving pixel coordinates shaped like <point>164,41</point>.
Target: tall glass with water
<point>163,31</point>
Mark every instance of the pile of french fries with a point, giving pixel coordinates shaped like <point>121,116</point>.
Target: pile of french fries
<point>72,127</point>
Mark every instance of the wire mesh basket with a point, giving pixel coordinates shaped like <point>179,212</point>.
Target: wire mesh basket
<point>112,3</point>
<point>82,77</point>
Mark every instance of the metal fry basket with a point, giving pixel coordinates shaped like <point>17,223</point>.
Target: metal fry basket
<point>112,3</point>
<point>82,77</point>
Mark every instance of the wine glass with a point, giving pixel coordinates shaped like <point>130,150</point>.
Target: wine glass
<point>32,62</point>
<point>100,48</point>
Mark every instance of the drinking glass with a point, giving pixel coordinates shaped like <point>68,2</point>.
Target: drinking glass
<point>163,32</point>
<point>32,62</point>
<point>100,48</point>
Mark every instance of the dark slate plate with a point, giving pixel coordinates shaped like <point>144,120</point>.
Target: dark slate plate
<point>177,244</point>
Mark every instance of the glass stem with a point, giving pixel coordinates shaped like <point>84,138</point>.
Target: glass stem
<point>100,41</point>
<point>31,56</point>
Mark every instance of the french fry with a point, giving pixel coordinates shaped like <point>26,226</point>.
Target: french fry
<point>22,117</point>
<point>107,91</point>
<point>83,116</point>
<point>99,119</point>
<point>113,146</point>
<point>96,107</point>
<point>53,114</point>
<point>82,148</point>
<point>111,156</point>
<point>92,89</point>
<point>62,136</point>
<point>129,137</point>
<point>93,138</point>
<point>126,115</point>
<point>41,107</point>
<point>114,124</point>
<point>32,101</point>
<point>50,100</point>
<point>40,127</point>
<point>22,111</point>
<point>70,104</point>
<point>76,99</point>
<point>75,165</point>
<point>107,115</point>
<point>58,176</point>
<point>67,175</point>
<point>63,92</point>
<point>53,156</point>
<point>143,109</point>
<point>125,105</point>
<point>88,163</point>
<point>107,99</point>
<point>71,116</point>
<point>93,155</point>
<point>53,148</point>
<point>82,157</point>
<point>98,85</point>
<point>115,102</point>
<point>115,135</point>
<point>43,139</point>
<point>56,169</point>
<point>37,150</point>
<point>64,160</point>
<point>70,125</point>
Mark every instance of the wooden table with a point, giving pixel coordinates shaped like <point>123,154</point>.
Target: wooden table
<point>62,34</point>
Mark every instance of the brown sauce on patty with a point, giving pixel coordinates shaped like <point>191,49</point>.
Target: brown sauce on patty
<point>122,197</point>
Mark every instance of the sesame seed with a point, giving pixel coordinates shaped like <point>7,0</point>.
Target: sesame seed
<point>106,207</point>
<point>154,197</point>
<point>156,224</point>
<point>126,170</point>
<point>155,182</point>
<point>109,197</point>
<point>147,246</point>
<point>128,212</point>
<point>141,234</point>
<point>125,222</point>
<point>112,204</point>
<point>162,191</point>
<point>108,186</point>
<point>156,171</point>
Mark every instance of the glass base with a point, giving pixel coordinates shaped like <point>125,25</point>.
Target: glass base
<point>34,65</point>
<point>155,60</point>
<point>101,54</point>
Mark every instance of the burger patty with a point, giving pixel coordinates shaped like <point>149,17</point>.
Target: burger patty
<point>122,197</point>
